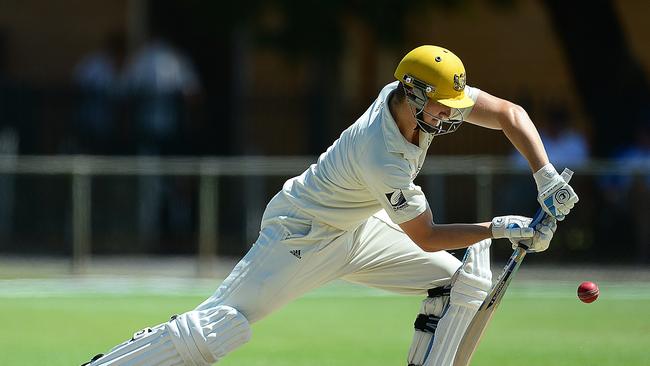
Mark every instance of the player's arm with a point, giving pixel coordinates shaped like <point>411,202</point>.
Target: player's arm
<point>555,195</point>
<point>432,237</point>
<point>496,113</point>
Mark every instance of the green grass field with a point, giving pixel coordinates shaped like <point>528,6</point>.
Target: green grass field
<point>537,324</point>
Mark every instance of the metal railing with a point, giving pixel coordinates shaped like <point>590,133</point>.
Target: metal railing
<point>209,169</point>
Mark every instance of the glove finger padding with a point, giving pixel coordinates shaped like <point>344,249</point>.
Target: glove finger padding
<point>543,235</point>
<point>564,210</point>
<point>547,224</point>
<point>555,195</point>
<point>526,243</point>
<point>512,227</point>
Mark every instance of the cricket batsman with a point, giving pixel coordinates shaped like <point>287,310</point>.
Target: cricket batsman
<point>356,215</point>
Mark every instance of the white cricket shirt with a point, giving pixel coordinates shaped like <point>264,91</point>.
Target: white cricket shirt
<point>370,167</point>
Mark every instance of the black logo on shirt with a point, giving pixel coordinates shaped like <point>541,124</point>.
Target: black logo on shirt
<point>296,253</point>
<point>396,199</point>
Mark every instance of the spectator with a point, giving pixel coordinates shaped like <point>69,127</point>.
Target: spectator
<point>163,83</point>
<point>98,78</point>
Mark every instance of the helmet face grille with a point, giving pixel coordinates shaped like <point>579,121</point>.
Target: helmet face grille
<point>417,98</point>
<point>443,127</point>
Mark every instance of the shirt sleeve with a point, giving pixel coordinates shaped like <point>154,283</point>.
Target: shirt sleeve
<point>391,185</point>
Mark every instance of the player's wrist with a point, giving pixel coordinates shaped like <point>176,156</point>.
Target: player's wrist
<point>493,234</point>
<point>511,227</point>
<point>495,227</point>
<point>545,176</point>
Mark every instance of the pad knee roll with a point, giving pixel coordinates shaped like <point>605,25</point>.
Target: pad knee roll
<point>208,335</point>
<point>195,338</point>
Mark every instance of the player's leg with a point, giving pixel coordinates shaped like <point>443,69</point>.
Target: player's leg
<point>469,287</point>
<point>204,335</point>
<point>291,256</point>
<point>425,324</point>
<point>384,257</point>
<point>198,338</point>
<point>295,255</point>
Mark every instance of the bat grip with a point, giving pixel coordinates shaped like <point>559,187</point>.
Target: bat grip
<point>540,214</point>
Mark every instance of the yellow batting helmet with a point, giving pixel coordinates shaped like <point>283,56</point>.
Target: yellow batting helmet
<point>437,72</point>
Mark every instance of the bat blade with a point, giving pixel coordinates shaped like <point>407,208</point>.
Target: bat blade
<point>479,323</point>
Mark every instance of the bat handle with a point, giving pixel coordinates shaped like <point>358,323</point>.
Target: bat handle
<point>540,214</point>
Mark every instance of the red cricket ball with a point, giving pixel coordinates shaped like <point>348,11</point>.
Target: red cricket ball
<point>588,292</point>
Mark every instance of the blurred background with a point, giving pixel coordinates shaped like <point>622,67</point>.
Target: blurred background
<point>160,129</point>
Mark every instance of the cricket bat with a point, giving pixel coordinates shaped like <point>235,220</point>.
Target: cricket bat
<point>479,323</point>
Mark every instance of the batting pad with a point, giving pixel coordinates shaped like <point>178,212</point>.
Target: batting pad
<point>426,323</point>
<point>470,285</point>
<point>195,338</point>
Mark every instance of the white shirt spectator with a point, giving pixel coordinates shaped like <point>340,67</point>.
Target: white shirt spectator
<point>159,67</point>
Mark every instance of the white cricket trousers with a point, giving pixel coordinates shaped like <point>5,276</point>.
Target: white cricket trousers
<point>296,253</point>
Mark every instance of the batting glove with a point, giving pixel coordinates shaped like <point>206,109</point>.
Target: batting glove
<point>555,195</point>
<point>541,239</point>
<point>514,228</point>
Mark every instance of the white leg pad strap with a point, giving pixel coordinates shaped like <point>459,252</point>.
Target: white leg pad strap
<point>195,338</point>
<point>469,287</point>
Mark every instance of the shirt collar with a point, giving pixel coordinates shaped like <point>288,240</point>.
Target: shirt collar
<point>395,141</point>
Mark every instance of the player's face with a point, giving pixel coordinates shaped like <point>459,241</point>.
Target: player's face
<point>435,119</point>
<point>435,109</point>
